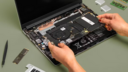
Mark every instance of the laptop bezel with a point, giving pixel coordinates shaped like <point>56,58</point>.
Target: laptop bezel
<point>45,17</point>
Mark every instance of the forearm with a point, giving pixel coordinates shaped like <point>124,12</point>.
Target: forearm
<point>74,66</point>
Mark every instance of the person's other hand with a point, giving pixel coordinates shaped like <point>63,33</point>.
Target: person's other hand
<point>62,53</point>
<point>115,22</point>
<point>66,56</point>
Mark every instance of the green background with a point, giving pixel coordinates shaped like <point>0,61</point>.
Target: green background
<point>109,56</point>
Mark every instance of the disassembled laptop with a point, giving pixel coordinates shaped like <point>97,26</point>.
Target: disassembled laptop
<point>78,28</point>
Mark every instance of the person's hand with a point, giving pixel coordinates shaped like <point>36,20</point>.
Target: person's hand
<point>115,22</point>
<point>62,53</point>
<point>66,56</point>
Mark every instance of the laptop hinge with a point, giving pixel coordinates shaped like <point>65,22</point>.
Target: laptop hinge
<point>54,15</point>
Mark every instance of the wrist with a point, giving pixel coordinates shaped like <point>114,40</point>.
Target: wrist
<point>125,30</point>
<point>69,62</point>
<point>74,66</point>
<point>71,65</point>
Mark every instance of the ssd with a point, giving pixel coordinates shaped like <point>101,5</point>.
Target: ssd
<point>20,56</point>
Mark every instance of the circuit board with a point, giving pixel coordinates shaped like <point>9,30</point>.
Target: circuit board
<point>125,1</point>
<point>118,5</point>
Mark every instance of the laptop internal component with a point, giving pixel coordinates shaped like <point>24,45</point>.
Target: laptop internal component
<point>20,56</point>
<point>125,1</point>
<point>118,5</point>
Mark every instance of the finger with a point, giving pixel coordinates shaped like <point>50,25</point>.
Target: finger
<point>52,55</point>
<point>105,16</point>
<point>106,26</point>
<point>51,47</point>
<point>105,21</point>
<point>108,15</point>
<point>62,45</point>
<point>109,28</point>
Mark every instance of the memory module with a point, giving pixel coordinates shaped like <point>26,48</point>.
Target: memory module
<point>118,5</point>
<point>125,1</point>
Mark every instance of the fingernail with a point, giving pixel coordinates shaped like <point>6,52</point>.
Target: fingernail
<point>100,20</point>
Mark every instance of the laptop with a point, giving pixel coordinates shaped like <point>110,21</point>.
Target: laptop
<point>60,21</point>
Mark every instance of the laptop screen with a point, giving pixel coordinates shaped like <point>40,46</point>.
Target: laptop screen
<point>32,9</point>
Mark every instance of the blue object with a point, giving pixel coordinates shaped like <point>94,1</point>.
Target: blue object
<point>42,43</point>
